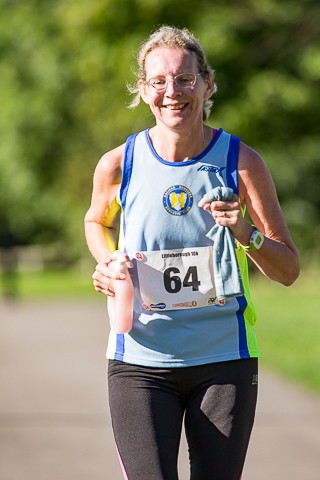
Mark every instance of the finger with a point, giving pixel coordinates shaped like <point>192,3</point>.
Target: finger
<point>98,276</point>
<point>102,288</point>
<point>103,271</point>
<point>205,205</point>
<point>219,205</point>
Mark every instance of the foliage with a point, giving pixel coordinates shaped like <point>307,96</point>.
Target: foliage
<point>64,69</point>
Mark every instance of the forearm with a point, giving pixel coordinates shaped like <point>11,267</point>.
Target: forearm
<point>101,241</point>
<point>277,261</point>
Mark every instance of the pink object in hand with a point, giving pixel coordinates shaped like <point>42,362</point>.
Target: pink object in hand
<point>120,306</point>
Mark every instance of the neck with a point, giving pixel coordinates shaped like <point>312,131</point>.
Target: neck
<point>175,146</point>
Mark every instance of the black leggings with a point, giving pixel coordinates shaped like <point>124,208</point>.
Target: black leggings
<point>217,402</point>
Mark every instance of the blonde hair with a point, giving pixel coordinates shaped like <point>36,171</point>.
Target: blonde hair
<point>171,37</point>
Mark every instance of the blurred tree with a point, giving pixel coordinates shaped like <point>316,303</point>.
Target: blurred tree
<point>267,57</point>
<point>33,120</point>
<point>64,69</point>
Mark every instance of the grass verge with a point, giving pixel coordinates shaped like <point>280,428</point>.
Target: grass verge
<point>52,283</point>
<point>288,327</point>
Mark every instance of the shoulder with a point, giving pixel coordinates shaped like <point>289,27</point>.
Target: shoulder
<point>258,192</point>
<point>112,161</point>
<point>109,167</point>
<point>253,172</point>
<point>249,158</point>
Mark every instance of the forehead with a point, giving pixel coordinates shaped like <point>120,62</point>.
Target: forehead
<point>164,61</point>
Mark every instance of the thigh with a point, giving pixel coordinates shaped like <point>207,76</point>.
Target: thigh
<point>147,419</point>
<point>219,420</point>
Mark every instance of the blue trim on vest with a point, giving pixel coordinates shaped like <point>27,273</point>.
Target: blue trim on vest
<point>232,164</point>
<point>119,347</point>
<point>126,172</point>
<point>187,162</point>
<point>127,167</point>
<point>243,345</point>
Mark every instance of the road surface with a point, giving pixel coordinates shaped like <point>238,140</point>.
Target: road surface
<point>54,418</point>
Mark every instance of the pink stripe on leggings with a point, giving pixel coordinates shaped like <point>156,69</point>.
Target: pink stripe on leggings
<point>125,476</point>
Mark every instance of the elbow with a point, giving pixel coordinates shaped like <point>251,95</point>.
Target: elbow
<point>291,274</point>
<point>289,281</point>
<point>86,218</point>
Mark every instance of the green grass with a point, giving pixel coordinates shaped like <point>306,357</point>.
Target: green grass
<point>55,283</point>
<point>288,327</point>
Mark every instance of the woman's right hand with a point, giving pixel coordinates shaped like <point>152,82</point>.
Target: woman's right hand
<point>103,275</point>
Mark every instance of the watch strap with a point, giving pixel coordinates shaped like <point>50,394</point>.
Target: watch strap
<point>255,242</point>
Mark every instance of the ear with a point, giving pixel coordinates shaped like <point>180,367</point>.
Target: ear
<point>210,86</point>
<point>143,91</point>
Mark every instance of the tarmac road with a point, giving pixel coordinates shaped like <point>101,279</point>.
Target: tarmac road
<point>54,418</point>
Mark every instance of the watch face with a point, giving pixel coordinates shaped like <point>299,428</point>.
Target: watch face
<point>257,239</point>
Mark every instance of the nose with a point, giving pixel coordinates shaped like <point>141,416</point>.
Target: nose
<point>172,88</point>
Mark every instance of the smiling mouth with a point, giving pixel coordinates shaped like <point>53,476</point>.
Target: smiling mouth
<point>178,106</point>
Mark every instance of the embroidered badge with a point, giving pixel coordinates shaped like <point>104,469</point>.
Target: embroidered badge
<point>177,200</point>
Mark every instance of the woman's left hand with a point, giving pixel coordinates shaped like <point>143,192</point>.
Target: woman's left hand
<point>229,215</point>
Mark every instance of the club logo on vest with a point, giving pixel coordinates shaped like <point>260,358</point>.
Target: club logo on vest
<point>177,200</point>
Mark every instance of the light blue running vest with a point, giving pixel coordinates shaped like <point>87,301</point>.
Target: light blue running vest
<point>161,219</point>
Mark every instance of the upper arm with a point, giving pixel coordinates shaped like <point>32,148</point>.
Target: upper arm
<point>257,191</point>
<point>106,183</point>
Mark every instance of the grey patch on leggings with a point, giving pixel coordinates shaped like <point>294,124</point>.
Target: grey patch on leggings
<point>217,405</point>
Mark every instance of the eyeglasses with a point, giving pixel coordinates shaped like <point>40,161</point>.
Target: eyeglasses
<point>182,80</point>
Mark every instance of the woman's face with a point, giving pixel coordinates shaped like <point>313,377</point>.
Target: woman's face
<point>175,107</point>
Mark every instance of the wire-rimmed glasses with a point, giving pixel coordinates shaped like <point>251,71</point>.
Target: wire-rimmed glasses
<point>182,80</point>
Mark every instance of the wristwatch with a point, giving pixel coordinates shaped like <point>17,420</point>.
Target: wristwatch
<point>255,242</point>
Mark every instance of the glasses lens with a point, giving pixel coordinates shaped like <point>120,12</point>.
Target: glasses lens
<point>185,80</point>
<point>158,83</point>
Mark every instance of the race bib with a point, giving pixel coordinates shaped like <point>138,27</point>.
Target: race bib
<point>176,279</point>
